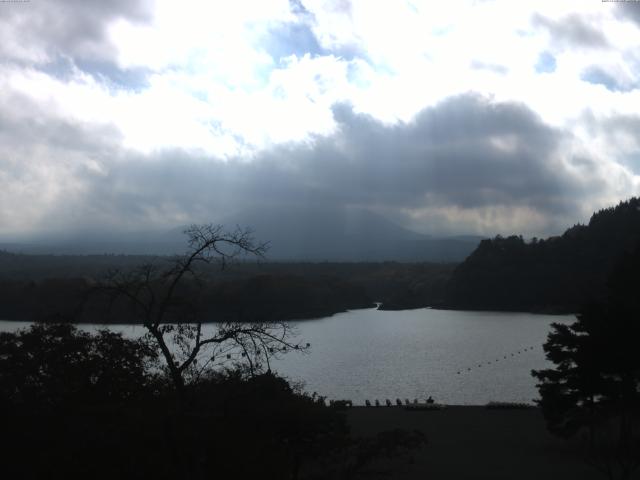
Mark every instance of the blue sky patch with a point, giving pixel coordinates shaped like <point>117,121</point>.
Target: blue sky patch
<point>128,79</point>
<point>599,76</point>
<point>546,63</point>
<point>293,39</point>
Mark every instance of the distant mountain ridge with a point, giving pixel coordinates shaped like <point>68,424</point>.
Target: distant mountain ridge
<point>556,275</point>
<point>296,233</point>
<point>319,234</point>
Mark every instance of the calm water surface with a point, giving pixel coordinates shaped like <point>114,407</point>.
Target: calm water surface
<point>369,354</point>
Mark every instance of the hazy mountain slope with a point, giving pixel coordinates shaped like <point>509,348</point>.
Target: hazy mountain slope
<point>346,235</point>
<point>294,234</point>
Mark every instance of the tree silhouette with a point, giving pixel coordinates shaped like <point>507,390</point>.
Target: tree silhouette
<point>594,386</point>
<point>165,298</point>
<point>56,365</point>
<point>558,274</point>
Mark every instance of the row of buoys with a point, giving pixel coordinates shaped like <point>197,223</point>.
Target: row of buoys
<point>399,403</point>
<point>504,357</point>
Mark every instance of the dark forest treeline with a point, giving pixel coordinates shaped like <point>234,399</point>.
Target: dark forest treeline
<point>555,275</point>
<point>60,288</point>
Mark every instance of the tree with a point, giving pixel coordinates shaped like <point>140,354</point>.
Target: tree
<point>165,299</point>
<point>57,365</point>
<point>595,383</point>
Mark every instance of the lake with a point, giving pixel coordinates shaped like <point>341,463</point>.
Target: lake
<point>457,357</point>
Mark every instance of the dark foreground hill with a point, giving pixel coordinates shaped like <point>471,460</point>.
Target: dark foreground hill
<point>475,443</point>
<point>554,275</point>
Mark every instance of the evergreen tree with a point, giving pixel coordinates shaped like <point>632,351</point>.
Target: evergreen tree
<point>594,386</point>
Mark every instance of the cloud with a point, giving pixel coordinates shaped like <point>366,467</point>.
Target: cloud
<point>466,165</point>
<point>599,75</point>
<point>466,152</point>
<point>499,69</point>
<point>41,31</point>
<point>622,132</point>
<point>45,164</point>
<point>571,31</point>
<point>630,10</point>
<point>443,118</point>
<point>293,39</point>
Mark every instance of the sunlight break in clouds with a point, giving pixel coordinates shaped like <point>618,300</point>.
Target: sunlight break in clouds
<point>294,93</point>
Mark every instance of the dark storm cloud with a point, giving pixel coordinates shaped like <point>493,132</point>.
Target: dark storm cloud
<point>572,31</point>
<point>466,152</point>
<point>27,125</point>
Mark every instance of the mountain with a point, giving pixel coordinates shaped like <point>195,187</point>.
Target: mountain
<point>294,234</point>
<point>321,234</point>
<point>98,242</point>
<point>558,274</point>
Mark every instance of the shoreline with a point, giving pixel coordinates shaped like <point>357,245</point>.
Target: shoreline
<point>319,316</point>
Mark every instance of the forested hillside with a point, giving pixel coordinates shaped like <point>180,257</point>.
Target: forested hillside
<point>554,275</point>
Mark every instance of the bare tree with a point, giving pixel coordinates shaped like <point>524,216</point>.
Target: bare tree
<point>164,298</point>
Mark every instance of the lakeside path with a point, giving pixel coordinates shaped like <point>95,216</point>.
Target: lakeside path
<point>466,442</point>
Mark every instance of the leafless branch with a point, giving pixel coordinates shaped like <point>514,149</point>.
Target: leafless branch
<point>151,294</point>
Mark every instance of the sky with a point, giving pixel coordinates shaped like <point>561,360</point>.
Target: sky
<point>457,117</point>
